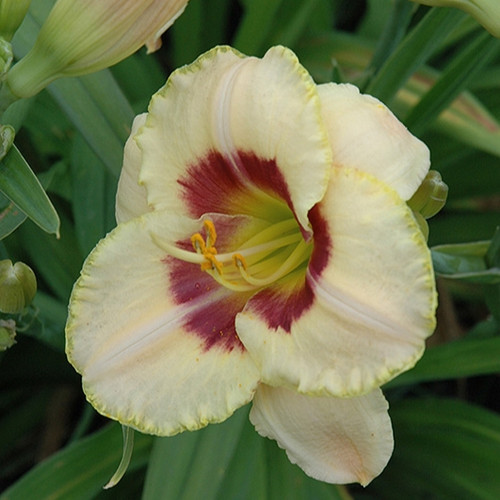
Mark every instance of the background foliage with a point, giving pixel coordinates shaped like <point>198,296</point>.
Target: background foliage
<point>440,73</point>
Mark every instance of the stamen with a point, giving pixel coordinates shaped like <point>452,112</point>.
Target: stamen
<point>174,251</point>
<point>207,248</point>
<point>211,263</point>
<point>268,250</point>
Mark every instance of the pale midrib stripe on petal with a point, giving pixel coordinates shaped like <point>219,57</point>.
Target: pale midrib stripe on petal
<point>172,318</point>
<point>223,122</point>
<point>364,314</point>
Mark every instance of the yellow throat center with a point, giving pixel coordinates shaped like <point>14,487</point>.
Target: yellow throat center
<point>266,257</point>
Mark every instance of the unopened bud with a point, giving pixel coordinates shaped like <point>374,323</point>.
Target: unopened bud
<point>12,13</point>
<point>17,286</point>
<point>431,196</point>
<point>81,37</point>
<point>7,334</point>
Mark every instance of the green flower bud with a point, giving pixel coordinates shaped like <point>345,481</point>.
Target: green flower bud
<point>430,197</point>
<point>5,57</point>
<point>486,12</point>
<point>7,134</point>
<point>80,37</point>
<point>7,334</point>
<point>17,286</point>
<point>12,13</point>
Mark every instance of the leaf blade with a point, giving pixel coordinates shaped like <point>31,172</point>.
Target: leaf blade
<point>21,186</point>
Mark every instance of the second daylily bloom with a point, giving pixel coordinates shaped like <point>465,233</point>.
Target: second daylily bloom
<point>264,251</point>
<point>83,36</point>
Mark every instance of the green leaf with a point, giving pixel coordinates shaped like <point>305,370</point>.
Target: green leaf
<point>460,358</point>
<point>96,106</point>
<point>169,465</point>
<point>460,71</point>
<point>228,460</point>
<point>58,262</point>
<point>49,320</point>
<point>186,34</point>
<point>393,32</point>
<point>20,185</point>
<point>492,292</point>
<point>192,465</point>
<point>10,216</point>
<point>148,78</point>
<point>493,253</point>
<point>79,471</point>
<point>413,52</point>
<point>292,19</point>
<point>375,18</point>
<point>21,418</point>
<point>93,200</point>
<point>256,25</point>
<point>247,475</point>
<point>444,449</point>
<point>465,262</point>
<point>459,227</point>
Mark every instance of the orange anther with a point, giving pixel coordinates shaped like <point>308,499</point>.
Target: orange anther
<point>198,243</point>
<point>211,233</point>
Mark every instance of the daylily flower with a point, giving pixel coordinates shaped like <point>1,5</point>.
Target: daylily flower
<point>485,12</point>
<point>83,36</point>
<point>264,251</point>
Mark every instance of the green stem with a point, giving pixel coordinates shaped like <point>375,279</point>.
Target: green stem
<point>6,98</point>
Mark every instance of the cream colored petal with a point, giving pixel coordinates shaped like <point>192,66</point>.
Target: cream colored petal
<point>131,197</point>
<point>154,338</point>
<point>228,124</point>
<point>364,134</point>
<point>368,301</point>
<point>332,439</point>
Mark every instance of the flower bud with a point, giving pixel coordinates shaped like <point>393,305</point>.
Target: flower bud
<point>83,36</point>
<point>7,334</point>
<point>431,195</point>
<point>486,12</point>
<point>17,286</point>
<point>12,13</point>
<point>5,57</point>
